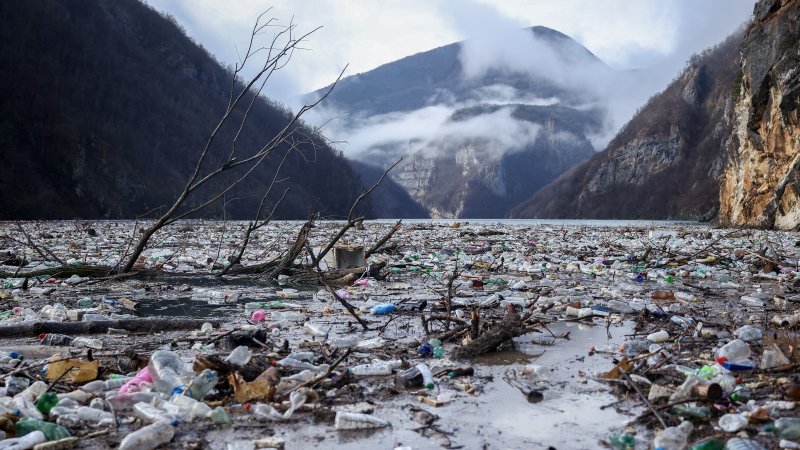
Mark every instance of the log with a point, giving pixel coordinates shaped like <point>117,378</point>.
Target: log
<point>510,327</point>
<point>142,325</point>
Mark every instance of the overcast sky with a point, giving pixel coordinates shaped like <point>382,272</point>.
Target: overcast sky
<point>367,33</point>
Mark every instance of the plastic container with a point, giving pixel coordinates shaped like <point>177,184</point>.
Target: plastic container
<point>203,383</point>
<point>219,416</point>
<point>134,384</point>
<point>357,421</point>
<point>167,371</point>
<point>149,437</point>
<point>343,341</point>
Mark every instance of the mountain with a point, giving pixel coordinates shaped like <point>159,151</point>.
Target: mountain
<point>105,106</point>
<point>389,200</point>
<point>665,163</point>
<point>478,135</point>
<point>761,185</point>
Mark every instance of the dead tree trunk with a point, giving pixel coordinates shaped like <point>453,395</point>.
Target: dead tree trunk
<point>511,326</point>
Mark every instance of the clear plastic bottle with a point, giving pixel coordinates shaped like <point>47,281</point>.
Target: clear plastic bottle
<point>240,356</point>
<point>150,414</point>
<point>735,351</point>
<point>84,342</point>
<point>732,423</point>
<point>203,383</point>
<point>427,376</point>
<point>168,371</point>
<point>314,330</point>
<point>265,412</point>
<point>24,442</point>
<point>190,408</point>
<point>15,385</point>
<point>95,416</point>
<point>376,368</point>
<point>98,386</point>
<point>356,421</point>
<point>296,364</point>
<point>149,437</point>
<point>743,444</point>
<point>674,438</point>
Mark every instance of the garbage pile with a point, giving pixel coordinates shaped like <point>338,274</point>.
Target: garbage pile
<point>709,361</point>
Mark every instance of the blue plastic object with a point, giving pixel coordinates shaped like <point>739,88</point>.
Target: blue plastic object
<point>383,309</point>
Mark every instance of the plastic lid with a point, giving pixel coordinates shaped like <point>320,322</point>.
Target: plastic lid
<point>430,385</point>
<point>770,427</point>
<point>178,390</point>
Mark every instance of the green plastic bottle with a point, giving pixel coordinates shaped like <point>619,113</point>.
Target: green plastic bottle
<point>694,412</point>
<point>51,431</point>
<point>220,417</point>
<point>46,402</point>
<point>708,444</point>
<point>624,441</point>
<point>785,428</point>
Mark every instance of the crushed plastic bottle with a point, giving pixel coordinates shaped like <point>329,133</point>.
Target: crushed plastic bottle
<point>743,444</point>
<point>785,428</point>
<point>240,356</point>
<point>674,438</point>
<point>167,371</point>
<point>357,421</point>
<point>51,431</point>
<point>376,368</point>
<point>148,437</point>
<point>23,442</point>
<point>203,383</point>
<point>735,351</point>
<point>732,423</point>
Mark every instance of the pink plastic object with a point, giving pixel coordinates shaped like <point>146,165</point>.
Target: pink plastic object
<point>360,282</point>
<point>258,316</point>
<point>133,385</point>
<point>343,294</point>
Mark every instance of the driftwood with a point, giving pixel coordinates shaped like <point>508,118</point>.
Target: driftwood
<point>511,326</point>
<point>102,326</point>
<point>383,240</point>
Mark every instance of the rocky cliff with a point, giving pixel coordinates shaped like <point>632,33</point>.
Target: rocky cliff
<point>665,163</point>
<point>761,185</point>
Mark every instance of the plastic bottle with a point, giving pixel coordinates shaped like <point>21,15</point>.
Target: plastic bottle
<point>695,412</point>
<point>674,438</point>
<point>296,364</point>
<point>383,309</point>
<point>83,342</point>
<point>785,428</point>
<point>375,368</point>
<point>26,407</point>
<point>203,383</point>
<point>461,372</point>
<point>265,412</point>
<point>658,336</point>
<point>409,378</point>
<point>735,351</point>
<point>732,423</point>
<point>149,437</point>
<point>167,370</point>
<point>46,402</point>
<point>150,414</point>
<point>51,431</point>
<point>190,408</point>
<point>98,386</point>
<point>357,421</point>
<point>24,442</point>
<point>708,444</point>
<point>95,416</point>
<point>427,376</point>
<point>219,416</point>
<point>134,384</point>
<point>314,330</point>
<point>748,333</point>
<point>343,341</point>
<point>743,444</point>
<point>56,339</point>
<point>240,356</point>
<point>623,441</point>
